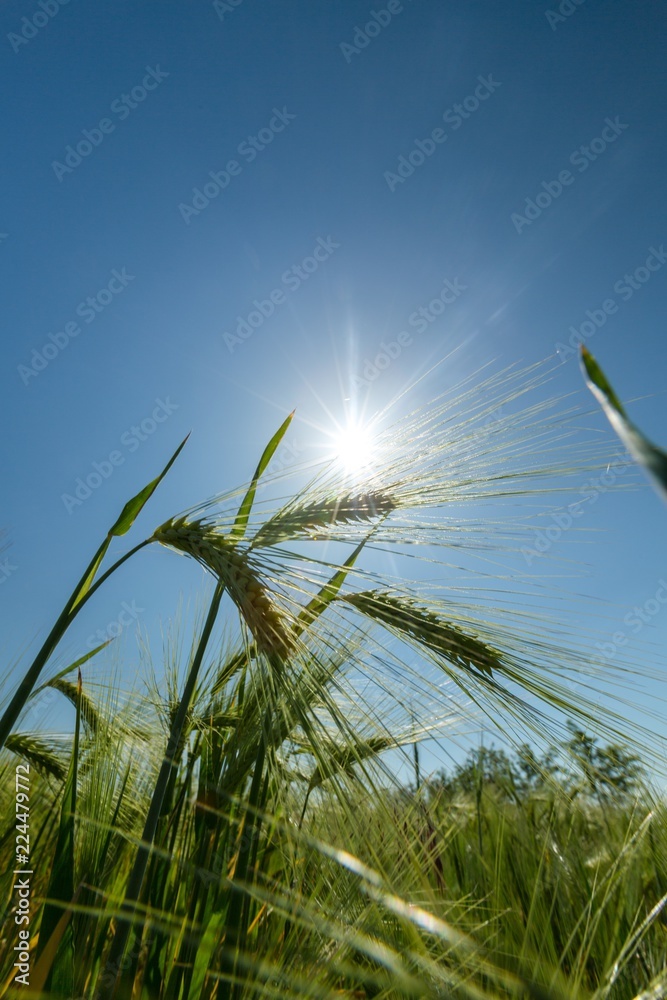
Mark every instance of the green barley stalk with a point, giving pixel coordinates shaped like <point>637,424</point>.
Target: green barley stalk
<point>114,962</point>
<point>232,572</point>
<point>61,888</point>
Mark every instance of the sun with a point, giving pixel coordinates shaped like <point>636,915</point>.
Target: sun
<point>353,447</point>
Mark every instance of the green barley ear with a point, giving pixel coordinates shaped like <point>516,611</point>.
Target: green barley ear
<point>402,616</point>
<point>230,564</point>
<point>341,758</point>
<point>81,701</point>
<point>37,753</point>
<point>309,520</point>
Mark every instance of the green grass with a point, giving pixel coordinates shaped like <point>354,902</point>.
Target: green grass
<point>235,832</point>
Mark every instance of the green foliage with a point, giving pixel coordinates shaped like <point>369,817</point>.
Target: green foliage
<point>609,771</point>
<point>580,767</point>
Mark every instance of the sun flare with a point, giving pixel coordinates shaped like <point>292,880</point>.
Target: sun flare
<point>354,447</point>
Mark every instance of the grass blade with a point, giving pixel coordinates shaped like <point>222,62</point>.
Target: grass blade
<point>133,507</point>
<point>644,452</point>
<point>73,666</point>
<point>60,980</point>
<point>44,963</point>
<point>241,521</point>
<point>327,594</point>
<point>122,525</point>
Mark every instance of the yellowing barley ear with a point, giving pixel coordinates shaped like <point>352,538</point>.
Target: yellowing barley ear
<point>229,562</point>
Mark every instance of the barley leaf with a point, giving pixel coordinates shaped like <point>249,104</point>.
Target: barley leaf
<point>60,892</point>
<point>209,942</point>
<point>73,666</point>
<point>327,594</point>
<point>89,575</point>
<point>241,521</point>
<point>653,459</point>
<point>128,516</point>
<point>47,953</point>
<point>133,507</point>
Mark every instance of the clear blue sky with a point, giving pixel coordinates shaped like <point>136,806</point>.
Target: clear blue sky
<point>504,157</point>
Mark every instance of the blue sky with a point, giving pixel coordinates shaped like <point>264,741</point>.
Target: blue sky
<point>214,213</point>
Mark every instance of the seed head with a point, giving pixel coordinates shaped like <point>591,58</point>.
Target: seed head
<point>229,562</point>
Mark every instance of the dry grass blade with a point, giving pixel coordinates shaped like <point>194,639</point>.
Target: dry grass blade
<point>403,616</point>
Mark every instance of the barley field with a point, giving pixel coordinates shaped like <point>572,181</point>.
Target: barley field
<point>252,816</point>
